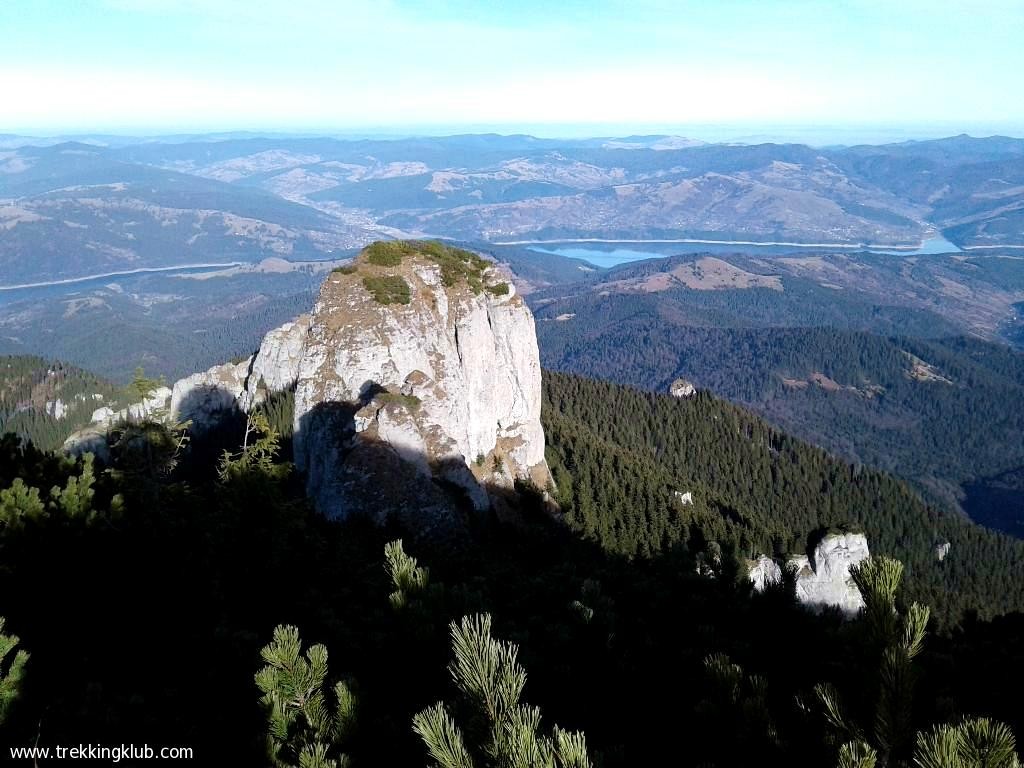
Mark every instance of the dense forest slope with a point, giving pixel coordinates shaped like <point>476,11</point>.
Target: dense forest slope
<point>44,402</point>
<point>620,455</point>
<point>895,387</point>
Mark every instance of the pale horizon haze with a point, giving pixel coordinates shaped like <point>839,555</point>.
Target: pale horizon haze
<point>917,69</point>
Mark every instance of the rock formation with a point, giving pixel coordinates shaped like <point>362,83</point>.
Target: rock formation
<point>823,577</point>
<point>764,571</point>
<point>440,373</point>
<point>202,397</point>
<point>93,438</point>
<point>682,388</point>
<point>276,365</point>
<point>157,402</point>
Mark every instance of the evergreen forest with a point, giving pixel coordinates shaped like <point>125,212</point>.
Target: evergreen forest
<point>208,606</point>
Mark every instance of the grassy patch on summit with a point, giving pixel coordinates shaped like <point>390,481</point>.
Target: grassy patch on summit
<point>457,265</point>
<point>389,289</point>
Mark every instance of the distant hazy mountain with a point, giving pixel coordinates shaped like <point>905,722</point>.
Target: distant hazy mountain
<point>77,208</point>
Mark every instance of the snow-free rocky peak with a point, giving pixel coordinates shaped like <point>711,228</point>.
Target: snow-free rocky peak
<point>418,356</point>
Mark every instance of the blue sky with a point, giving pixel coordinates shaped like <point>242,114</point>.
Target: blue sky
<point>89,65</point>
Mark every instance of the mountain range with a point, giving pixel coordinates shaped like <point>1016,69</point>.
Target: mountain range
<point>71,209</point>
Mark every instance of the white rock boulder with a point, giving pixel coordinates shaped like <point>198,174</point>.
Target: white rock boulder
<point>823,579</point>
<point>763,572</point>
<point>682,388</point>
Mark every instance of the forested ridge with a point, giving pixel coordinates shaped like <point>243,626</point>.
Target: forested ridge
<point>619,455</point>
<point>30,388</point>
<point>939,412</point>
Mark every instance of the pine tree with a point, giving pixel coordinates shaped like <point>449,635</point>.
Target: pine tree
<point>261,444</point>
<point>141,387</point>
<point>505,733</point>
<point>19,504</point>
<point>975,743</point>
<point>12,670</point>
<point>304,729</point>
<point>738,703</point>
<point>409,579</point>
<point>897,639</point>
<point>74,500</point>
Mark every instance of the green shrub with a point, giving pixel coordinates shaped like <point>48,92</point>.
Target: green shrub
<point>347,269</point>
<point>501,289</point>
<point>388,289</point>
<point>386,253</point>
<point>411,402</point>
<point>456,264</point>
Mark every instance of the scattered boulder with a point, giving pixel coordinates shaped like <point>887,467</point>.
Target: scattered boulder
<point>823,578</point>
<point>682,388</point>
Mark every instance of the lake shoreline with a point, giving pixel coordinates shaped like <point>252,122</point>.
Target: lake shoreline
<point>123,273</point>
<point>700,241</point>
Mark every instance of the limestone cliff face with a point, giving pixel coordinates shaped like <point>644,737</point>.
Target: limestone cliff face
<point>202,397</point>
<point>445,381</point>
<point>276,364</point>
<point>822,577</point>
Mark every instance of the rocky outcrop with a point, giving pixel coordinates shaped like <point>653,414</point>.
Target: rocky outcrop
<point>93,438</point>
<point>822,578</point>
<point>682,388</point>
<point>763,572</point>
<point>203,398</point>
<point>154,405</point>
<point>56,408</point>
<point>276,365</point>
<point>941,550</point>
<point>446,382</point>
